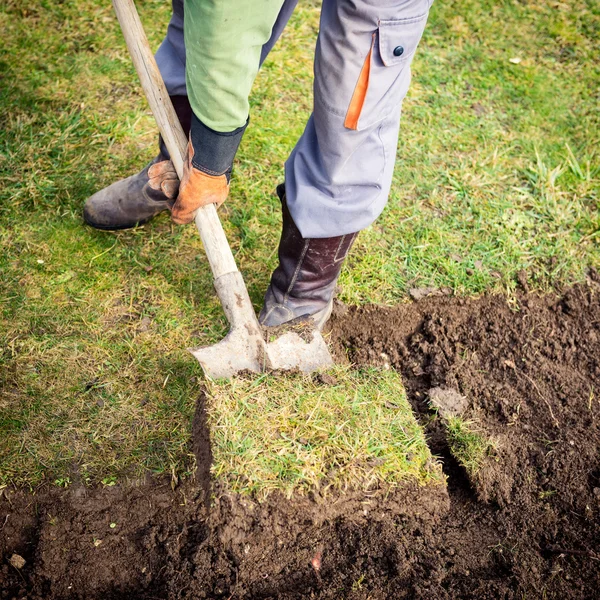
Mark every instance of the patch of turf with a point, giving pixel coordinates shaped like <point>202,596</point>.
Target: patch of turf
<point>294,433</point>
<point>469,444</point>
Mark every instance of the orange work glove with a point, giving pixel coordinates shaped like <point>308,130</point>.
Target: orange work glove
<point>197,188</point>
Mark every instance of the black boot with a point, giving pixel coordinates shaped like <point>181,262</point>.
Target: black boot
<point>132,201</point>
<point>304,282</point>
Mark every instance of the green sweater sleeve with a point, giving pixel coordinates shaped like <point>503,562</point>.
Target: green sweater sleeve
<point>223,41</point>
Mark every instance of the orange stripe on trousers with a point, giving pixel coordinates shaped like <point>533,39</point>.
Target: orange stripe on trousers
<point>360,92</point>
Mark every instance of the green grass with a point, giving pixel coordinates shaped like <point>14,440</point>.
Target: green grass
<point>497,172</point>
<point>469,444</point>
<point>296,434</point>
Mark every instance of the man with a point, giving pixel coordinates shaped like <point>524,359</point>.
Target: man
<point>337,178</point>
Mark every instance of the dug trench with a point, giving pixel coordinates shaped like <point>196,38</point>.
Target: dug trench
<point>527,525</point>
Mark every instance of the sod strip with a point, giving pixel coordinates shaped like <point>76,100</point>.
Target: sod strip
<point>342,430</point>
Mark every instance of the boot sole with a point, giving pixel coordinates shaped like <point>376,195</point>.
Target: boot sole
<point>113,227</point>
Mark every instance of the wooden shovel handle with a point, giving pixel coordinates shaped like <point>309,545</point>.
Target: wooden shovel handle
<point>207,221</point>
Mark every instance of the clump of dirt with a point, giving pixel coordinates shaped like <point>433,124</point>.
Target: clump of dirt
<point>528,526</point>
<point>449,402</point>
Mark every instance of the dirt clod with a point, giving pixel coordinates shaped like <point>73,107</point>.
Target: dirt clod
<point>17,561</point>
<point>449,402</point>
<point>316,560</point>
<point>423,292</point>
<point>522,280</point>
<point>325,379</point>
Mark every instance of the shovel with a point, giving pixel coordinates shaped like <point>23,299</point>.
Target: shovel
<point>245,346</point>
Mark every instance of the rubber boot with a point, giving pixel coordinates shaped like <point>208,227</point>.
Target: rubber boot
<point>303,285</point>
<point>132,201</point>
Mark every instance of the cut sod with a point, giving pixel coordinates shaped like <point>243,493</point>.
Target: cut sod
<point>469,444</point>
<point>342,430</point>
<point>467,441</point>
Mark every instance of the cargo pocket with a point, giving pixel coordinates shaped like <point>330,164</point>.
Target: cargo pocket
<point>385,74</point>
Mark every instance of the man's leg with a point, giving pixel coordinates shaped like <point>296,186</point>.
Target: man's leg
<point>132,201</point>
<point>170,55</point>
<point>339,174</point>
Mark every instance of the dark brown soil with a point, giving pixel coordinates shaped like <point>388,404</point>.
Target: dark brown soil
<point>528,526</point>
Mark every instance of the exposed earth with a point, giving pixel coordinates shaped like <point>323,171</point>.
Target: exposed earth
<point>527,525</point>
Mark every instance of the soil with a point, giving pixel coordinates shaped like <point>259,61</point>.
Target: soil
<point>526,526</point>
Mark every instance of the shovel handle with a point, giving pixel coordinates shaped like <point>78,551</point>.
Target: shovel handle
<point>209,226</point>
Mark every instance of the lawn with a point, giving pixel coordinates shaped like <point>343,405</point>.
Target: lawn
<point>497,174</point>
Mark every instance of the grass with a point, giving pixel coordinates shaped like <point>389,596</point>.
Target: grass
<point>296,434</point>
<point>469,445</point>
<point>497,172</point>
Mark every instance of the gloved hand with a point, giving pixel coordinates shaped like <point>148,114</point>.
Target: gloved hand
<point>197,188</point>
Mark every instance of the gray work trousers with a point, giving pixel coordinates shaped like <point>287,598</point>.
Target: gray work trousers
<point>338,176</point>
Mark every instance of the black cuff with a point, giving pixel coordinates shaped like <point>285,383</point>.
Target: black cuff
<point>214,151</point>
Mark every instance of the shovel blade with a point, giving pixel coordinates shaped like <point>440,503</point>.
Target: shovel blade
<point>241,351</point>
